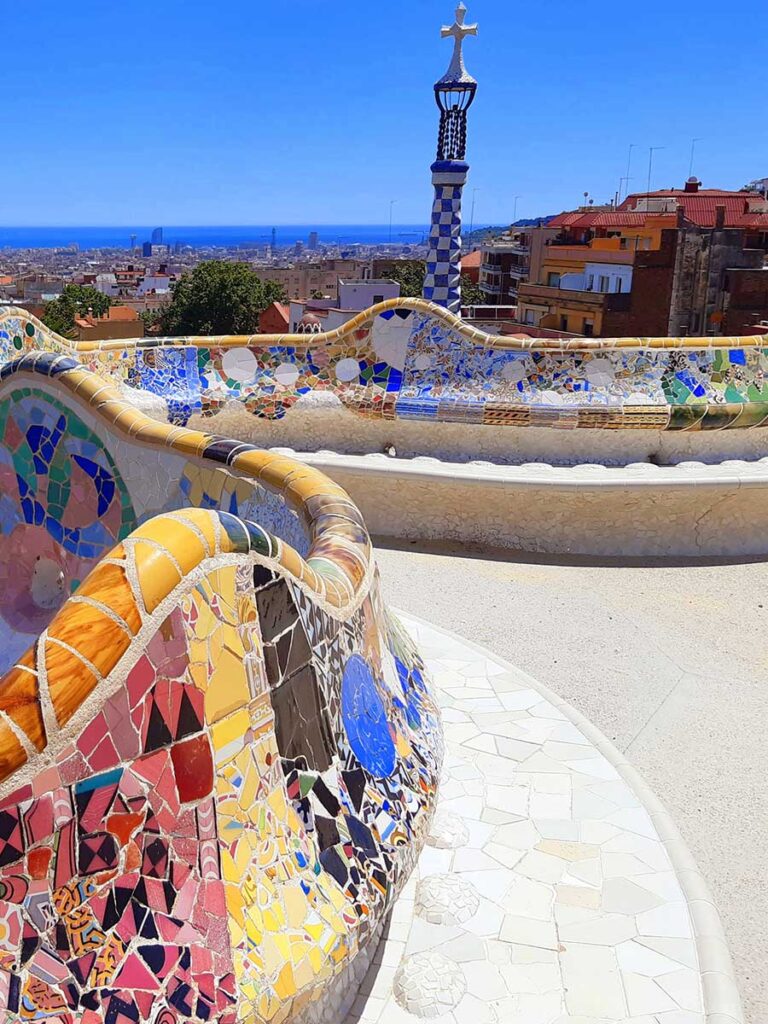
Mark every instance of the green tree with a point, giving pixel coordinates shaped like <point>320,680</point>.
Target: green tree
<point>409,274</point>
<point>152,318</point>
<point>219,297</point>
<point>470,293</point>
<point>75,300</point>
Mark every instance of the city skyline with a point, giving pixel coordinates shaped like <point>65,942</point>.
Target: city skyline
<point>215,123</point>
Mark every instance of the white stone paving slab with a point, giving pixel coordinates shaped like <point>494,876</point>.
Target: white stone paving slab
<point>554,889</point>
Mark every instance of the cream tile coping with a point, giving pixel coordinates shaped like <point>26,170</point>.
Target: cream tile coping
<point>540,474</point>
<point>560,892</point>
<point>420,306</point>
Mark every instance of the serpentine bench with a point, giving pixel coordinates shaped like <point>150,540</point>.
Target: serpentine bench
<point>218,752</point>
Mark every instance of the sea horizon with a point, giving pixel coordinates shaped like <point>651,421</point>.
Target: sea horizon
<point>200,236</point>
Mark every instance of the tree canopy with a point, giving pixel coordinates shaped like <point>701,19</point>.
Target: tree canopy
<point>219,297</point>
<point>470,293</point>
<point>410,276</point>
<point>75,300</point>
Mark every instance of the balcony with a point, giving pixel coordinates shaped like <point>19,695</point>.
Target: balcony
<point>542,293</point>
<point>506,268</point>
<point>587,254</point>
<point>507,250</point>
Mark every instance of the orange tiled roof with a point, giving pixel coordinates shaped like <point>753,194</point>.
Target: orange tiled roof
<point>700,207</point>
<point>122,313</point>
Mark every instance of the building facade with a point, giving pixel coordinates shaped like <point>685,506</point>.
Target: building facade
<point>308,280</point>
<point>665,263</point>
<point>505,263</point>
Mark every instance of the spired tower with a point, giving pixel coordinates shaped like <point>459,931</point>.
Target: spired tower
<point>455,93</point>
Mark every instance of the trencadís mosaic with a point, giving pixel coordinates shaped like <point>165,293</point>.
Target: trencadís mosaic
<point>218,753</point>
<point>411,360</point>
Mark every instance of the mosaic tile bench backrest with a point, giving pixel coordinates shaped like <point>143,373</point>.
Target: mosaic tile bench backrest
<point>218,753</point>
<point>408,359</point>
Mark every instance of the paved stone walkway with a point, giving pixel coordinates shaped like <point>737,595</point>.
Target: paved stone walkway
<point>551,890</point>
<point>669,661</point>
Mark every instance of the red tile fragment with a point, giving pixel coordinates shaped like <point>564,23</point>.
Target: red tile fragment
<point>193,765</point>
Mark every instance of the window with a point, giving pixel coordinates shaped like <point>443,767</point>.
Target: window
<point>591,283</point>
<point>619,285</point>
<point>563,323</point>
<point>604,283</point>
<point>377,299</point>
<point>624,242</point>
<point>528,317</point>
<point>589,327</point>
<point>553,280</point>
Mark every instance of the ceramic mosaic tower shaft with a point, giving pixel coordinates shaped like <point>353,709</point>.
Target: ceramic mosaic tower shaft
<point>454,94</point>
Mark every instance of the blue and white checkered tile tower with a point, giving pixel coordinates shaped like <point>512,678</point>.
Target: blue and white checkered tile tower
<point>454,93</point>
<point>442,283</point>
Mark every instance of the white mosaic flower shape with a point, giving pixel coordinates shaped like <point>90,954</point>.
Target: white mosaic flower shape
<point>429,984</point>
<point>447,831</point>
<point>447,899</point>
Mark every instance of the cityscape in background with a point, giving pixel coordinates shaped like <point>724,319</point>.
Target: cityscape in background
<point>689,260</point>
<point>685,261</point>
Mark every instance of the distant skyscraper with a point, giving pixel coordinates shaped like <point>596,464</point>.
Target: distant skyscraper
<point>298,249</point>
<point>146,250</point>
<point>157,236</point>
<point>313,239</point>
<point>274,239</point>
<point>454,93</point>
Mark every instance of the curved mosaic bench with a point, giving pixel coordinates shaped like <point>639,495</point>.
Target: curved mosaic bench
<point>218,753</point>
<point>410,360</point>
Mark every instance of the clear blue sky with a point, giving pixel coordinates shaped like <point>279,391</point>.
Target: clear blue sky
<point>240,112</point>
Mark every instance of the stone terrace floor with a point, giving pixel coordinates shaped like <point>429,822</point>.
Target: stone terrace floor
<point>670,662</point>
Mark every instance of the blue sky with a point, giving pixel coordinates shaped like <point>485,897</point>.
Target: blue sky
<point>189,112</point>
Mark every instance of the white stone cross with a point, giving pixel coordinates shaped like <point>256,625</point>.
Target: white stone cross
<point>456,72</point>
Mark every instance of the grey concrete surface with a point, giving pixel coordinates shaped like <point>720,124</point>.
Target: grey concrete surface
<point>669,661</point>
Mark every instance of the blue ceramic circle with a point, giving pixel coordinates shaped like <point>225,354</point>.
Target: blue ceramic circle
<point>365,719</point>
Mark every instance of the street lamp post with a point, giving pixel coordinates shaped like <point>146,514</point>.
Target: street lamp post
<point>392,203</point>
<point>472,216</point>
<point>629,165</point>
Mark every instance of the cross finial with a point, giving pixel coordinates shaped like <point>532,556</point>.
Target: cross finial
<point>457,72</point>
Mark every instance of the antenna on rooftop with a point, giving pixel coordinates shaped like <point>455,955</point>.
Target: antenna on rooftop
<point>693,150</point>
<point>629,166</point>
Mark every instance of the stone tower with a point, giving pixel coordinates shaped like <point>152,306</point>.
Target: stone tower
<point>454,93</point>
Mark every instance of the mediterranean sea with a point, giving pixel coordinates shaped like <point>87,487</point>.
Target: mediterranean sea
<point>248,236</point>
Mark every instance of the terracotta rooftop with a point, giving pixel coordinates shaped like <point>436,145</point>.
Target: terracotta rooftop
<point>121,313</point>
<point>599,218</point>
<point>699,208</point>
